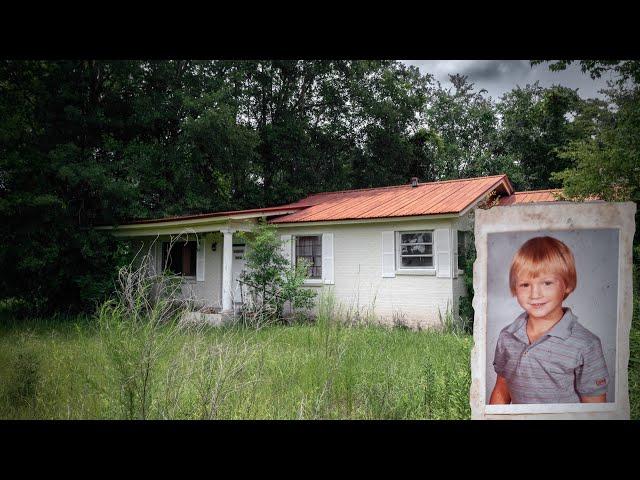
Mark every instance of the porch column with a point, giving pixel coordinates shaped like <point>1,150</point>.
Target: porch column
<point>227,258</point>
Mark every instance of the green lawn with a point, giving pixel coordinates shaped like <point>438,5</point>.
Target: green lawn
<point>66,369</point>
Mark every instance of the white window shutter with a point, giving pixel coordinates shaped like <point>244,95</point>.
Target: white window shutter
<point>286,247</point>
<point>443,252</point>
<point>454,252</point>
<point>327,258</point>
<point>200,254</point>
<point>388,254</point>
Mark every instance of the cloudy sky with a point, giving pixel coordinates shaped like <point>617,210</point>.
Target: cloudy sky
<point>500,76</point>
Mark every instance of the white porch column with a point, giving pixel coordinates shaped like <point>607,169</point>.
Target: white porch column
<point>227,258</point>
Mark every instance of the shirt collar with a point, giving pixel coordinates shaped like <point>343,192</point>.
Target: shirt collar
<point>562,329</point>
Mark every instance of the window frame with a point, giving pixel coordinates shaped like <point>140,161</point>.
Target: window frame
<point>165,253</point>
<point>419,269</point>
<point>295,256</point>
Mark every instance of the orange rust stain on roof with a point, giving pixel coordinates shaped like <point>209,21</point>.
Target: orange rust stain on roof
<point>532,196</point>
<point>451,196</point>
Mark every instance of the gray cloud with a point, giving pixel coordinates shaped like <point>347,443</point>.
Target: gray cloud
<point>501,76</point>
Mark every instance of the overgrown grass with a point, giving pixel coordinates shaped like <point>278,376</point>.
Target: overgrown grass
<point>136,359</point>
<point>318,371</point>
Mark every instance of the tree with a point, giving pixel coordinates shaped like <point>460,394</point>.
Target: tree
<point>465,123</point>
<point>607,164</point>
<point>627,70</point>
<point>535,124</point>
<point>270,277</point>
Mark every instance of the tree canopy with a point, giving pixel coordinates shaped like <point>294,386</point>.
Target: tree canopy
<point>85,142</point>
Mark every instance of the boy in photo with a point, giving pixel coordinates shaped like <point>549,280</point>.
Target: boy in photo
<point>545,355</point>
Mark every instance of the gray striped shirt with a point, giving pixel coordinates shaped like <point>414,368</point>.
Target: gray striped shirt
<point>561,365</point>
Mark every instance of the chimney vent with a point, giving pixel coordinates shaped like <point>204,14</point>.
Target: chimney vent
<point>414,181</point>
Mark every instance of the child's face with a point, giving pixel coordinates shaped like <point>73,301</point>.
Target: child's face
<point>541,296</point>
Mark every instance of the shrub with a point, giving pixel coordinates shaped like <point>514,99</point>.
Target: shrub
<point>271,280</point>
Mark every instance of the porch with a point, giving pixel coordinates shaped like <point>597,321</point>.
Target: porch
<point>208,251</point>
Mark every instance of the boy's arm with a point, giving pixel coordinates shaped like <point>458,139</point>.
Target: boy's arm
<point>500,394</point>
<point>592,377</point>
<point>593,399</point>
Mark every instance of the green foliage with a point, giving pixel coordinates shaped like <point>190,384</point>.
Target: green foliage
<point>85,142</point>
<point>535,125</point>
<point>607,165</point>
<point>135,330</point>
<point>626,70</point>
<point>22,384</point>
<point>466,311</point>
<point>270,278</point>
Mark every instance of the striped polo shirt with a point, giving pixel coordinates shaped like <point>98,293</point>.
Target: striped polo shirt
<point>562,364</point>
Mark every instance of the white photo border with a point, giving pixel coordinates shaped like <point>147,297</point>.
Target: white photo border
<point>550,216</point>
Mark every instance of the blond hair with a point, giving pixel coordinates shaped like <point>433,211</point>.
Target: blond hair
<point>541,255</point>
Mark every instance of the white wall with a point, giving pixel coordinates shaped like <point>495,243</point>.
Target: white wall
<point>358,273</point>
<point>359,284</point>
<point>207,292</point>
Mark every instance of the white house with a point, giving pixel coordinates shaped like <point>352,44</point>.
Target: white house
<point>392,250</point>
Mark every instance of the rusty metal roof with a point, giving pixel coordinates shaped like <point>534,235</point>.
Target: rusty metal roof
<point>445,197</point>
<point>532,196</point>
<point>434,198</point>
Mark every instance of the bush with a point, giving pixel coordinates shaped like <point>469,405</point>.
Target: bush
<point>270,278</point>
<point>466,311</point>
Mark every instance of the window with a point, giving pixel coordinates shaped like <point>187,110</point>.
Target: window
<point>181,259</point>
<point>309,247</point>
<point>415,249</point>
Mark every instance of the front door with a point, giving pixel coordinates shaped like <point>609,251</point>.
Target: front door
<point>237,267</point>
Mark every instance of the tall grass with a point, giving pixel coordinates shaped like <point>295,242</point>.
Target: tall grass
<point>121,367</point>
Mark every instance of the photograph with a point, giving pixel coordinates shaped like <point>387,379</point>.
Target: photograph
<point>552,316</point>
<point>553,308</point>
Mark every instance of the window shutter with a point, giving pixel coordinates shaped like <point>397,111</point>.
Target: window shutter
<point>327,258</point>
<point>454,252</point>
<point>388,254</point>
<point>443,252</point>
<point>200,254</point>
<point>286,247</point>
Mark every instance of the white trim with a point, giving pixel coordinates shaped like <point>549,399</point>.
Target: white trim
<point>327,252</point>
<point>442,252</point>
<point>365,220</point>
<point>418,271</point>
<point>195,221</point>
<point>388,249</point>
<point>398,252</point>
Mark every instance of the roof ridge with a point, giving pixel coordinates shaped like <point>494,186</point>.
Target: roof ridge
<point>404,185</point>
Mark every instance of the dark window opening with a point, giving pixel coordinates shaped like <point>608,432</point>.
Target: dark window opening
<point>181,259</point>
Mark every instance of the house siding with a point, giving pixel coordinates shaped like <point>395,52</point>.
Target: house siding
<point>417,300</point>
<point>413,299</point>
<point>206,293</point>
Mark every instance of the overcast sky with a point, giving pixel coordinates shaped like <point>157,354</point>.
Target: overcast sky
<point>500,76</point>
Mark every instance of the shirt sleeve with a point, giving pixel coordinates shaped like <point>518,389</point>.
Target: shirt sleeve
<point>500,358</point>
<point>592,376</point>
